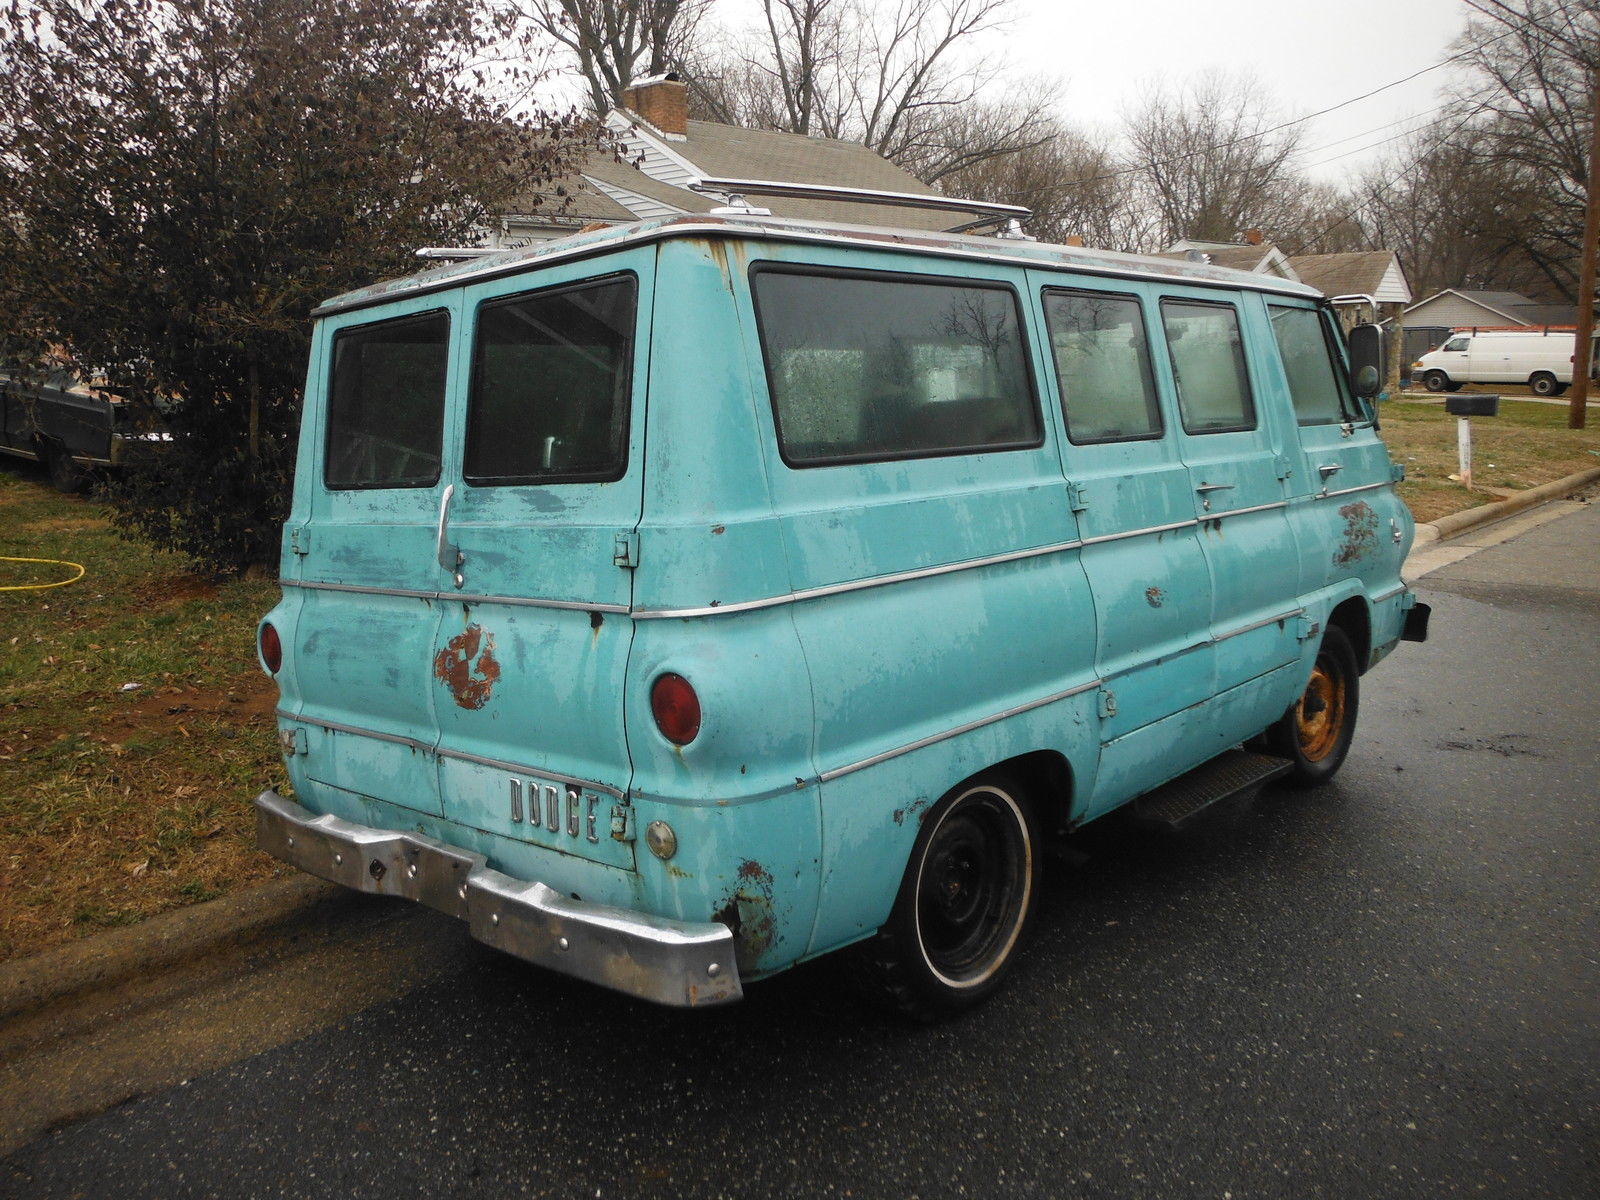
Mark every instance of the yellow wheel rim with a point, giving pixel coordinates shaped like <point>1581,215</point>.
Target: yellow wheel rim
<point>1319,716</point>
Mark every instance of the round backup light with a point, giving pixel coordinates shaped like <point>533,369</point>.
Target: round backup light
<point>663,842</point>
<point>271,648</point>
<point>676,709</point>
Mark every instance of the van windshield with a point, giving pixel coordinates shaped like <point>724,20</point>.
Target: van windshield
<point>864,368</point>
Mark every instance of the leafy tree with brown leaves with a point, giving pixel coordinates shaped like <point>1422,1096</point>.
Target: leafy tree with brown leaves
<point>181,181</point>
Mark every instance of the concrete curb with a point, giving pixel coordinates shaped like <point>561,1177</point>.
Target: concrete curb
<point>163,941</point>
<point>1455,524</point>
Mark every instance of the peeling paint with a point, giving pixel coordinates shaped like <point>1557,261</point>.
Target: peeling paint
<point>1360,533</point>
<point>748,912</point>
<point>467,667</point>
<point>917,808</point>
<point>1154,597</point>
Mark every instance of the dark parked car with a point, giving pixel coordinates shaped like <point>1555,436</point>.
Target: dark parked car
<point>71,427</point>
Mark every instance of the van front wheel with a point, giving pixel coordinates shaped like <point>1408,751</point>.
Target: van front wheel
<point>1542,383</point>
<point>968,892</point>
<point>1436,381</point>
<point>1316,732</point>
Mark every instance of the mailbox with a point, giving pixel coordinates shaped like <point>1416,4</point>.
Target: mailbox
<point>1472,405</point>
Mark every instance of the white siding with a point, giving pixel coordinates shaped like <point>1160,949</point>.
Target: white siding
<point>642,207</point>
<point>1450,311</point>
<point>652,156</point>
<point>1392,287</point>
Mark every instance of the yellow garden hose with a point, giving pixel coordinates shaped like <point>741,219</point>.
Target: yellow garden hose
<point>52,562</point>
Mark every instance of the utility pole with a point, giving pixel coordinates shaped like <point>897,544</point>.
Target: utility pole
<point>1578,412</point>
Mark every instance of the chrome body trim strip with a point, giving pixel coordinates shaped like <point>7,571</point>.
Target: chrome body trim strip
<point>854,585</point>
<point>445,752</point>
<point>1262,624</point>
<point>1133,533</point>
<point>1365,487</point>
<point>1389,595</point>
<point>458,597</point>
<point>837,772</point>
<point>1240,512</point>
<point>681,963</point>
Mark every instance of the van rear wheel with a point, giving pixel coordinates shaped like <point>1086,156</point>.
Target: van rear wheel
<point>1436,381</point>
<point>968,892</point>
<point>1316,732</point>
<point>1542,383</point>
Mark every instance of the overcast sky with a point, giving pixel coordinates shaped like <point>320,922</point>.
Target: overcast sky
<point>1307,56</point>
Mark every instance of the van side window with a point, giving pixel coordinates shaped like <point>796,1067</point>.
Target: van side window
<point>550,382</point>
<point>386,403</point>
<point>1315,382</point>
<point>1108,393</point>
<point>1208,365</point>
<point>871,367</point>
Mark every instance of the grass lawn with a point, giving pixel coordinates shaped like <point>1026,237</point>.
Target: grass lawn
<point>1526,445</point>
<point>120,801</point>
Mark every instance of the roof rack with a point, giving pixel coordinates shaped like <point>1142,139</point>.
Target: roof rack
<point>986,211</point>
<point>457,253</point>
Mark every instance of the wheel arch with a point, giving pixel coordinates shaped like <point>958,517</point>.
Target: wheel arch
<point>1354,619</point>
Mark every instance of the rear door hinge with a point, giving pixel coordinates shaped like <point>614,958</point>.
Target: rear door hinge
<point>627,550</point>
<point>1397,472</point>
<point>1108,703</point>
<point>300,539</point>
<point>1284,469</point>
<point>1078,496</point>
<point>622,822</point>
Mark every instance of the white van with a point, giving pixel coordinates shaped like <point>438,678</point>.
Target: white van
<point>1542,360</point>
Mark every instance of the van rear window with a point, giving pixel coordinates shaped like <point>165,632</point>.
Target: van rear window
<point>550,381</point>
<point>865,368</point>
<point>386,403</point>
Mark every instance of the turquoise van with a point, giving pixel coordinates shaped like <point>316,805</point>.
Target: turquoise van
<point>678,602</point>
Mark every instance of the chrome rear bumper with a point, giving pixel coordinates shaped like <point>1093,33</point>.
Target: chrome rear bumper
<point>680,963</point>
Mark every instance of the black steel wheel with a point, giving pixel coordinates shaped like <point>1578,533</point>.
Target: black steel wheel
<point>65,474</point>
<point>1316,732</point>
<point>963,906</point>
<point>1436,381</point>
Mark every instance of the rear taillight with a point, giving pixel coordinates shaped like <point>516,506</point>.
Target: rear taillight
<point>271,648</point>
<point>676,709</point>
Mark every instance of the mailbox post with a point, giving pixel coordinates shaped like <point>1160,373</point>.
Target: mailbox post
<point>1465,407</point>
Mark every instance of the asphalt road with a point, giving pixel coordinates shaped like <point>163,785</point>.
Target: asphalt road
<point>1385,988</point>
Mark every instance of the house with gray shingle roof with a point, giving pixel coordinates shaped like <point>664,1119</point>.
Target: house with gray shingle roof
<point>659,153</point>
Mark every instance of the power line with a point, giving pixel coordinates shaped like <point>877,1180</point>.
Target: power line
<point>1261,133</point>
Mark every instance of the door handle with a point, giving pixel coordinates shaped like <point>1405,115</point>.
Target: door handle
<point>1327,469</point>
<point>446,551</point>
<point>1205,489</point>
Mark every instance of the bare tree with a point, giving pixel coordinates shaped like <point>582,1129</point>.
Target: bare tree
<point>1213,157</point>
<point>899,76</point>
<point>1535,63</point>
<point>1075,185</point>
<point>615,42</point>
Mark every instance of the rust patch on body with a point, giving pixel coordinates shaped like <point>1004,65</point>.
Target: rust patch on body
<point>1154,597</point>
<point>748,913</point>
<point>917,808</point>
<point>467,666</point>
<point>1360,533</point>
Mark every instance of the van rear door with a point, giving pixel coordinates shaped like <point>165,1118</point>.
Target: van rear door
<point>531,653</point>
<point>365,560</point>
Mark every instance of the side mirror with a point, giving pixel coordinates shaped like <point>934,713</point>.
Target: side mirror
<point>1366,360</point>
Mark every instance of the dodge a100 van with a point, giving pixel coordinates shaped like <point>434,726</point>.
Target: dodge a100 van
<point>677,602</point>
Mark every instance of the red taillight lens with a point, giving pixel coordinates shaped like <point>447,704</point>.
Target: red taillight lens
<point>271,648</point>
<point>676,708</point>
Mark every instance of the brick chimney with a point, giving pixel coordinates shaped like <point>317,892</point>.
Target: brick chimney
<point>663,101</point>
<point>1252,237</point>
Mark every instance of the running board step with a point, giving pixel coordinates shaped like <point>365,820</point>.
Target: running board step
<point>1172,805</point>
